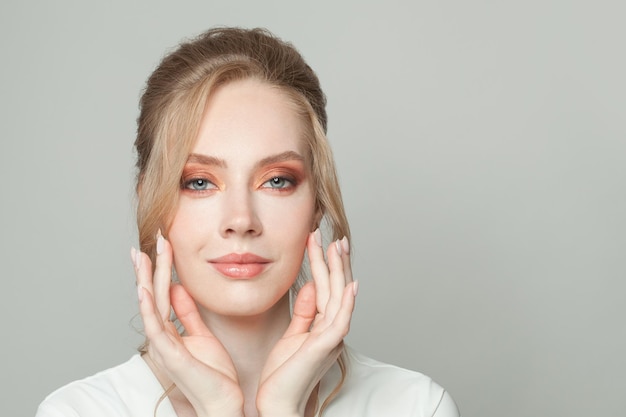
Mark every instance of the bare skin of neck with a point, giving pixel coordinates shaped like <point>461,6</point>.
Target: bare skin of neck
<point>249,341</point>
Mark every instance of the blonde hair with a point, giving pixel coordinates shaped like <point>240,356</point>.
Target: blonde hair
<point>173,104</point>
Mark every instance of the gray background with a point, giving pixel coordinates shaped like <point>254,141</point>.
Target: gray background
<point>481,149</point>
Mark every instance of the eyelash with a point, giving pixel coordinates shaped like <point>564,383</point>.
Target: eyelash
<point>288,184</point>
<point>189,185</point>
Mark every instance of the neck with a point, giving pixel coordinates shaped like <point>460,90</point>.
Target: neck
<point>249,341</point>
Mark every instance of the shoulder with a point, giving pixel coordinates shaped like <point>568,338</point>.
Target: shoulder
<point>125,390</point>
<point>373,388</point>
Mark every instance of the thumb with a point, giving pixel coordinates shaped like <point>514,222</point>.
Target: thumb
<point>304,310</point>
<point>187,312</point>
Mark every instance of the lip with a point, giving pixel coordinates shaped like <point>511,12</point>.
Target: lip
<point>240,265</point>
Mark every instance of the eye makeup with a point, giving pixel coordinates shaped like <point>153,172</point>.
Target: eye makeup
<point>197,179</point>
<point>281,174</point>
<point>282,177</point>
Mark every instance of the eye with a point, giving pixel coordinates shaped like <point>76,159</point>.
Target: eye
<point>198,184</point>
<point>279,183</point>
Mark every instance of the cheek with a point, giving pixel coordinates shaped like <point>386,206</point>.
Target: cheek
<point>294,228</point>
<point>188,227</point>
<point>293,218</point>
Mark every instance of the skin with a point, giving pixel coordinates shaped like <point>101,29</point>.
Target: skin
<point>246,189</point>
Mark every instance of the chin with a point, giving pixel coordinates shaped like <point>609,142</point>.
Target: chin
<point>246,305</point>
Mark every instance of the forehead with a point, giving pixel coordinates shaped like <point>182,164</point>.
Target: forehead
<point>249,115</point>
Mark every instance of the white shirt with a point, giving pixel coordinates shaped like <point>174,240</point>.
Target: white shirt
<point>371,389</point>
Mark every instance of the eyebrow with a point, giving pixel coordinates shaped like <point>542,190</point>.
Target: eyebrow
<point>213,161</point>
<point>206,160</point>
<point>281,157</point>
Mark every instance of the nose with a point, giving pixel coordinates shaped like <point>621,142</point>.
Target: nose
<point>239,215</point>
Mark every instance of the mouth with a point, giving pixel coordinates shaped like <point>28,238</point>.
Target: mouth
<point>240,266</point>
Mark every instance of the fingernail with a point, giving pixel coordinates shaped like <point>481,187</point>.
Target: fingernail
<point>137,259</point>
<point>140,293</point>
<point>355,288</point>
<point>318,237</point>
<point>338,246</point>
<point>160,243</point>
<point>133,255</point>
<point>345,245</point>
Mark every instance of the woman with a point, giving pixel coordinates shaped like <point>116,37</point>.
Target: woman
<point>235,179</point>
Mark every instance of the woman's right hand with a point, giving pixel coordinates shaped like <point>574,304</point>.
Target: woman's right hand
<point>196,362</point>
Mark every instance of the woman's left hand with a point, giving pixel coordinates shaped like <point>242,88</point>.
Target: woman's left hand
<point>314,339</point>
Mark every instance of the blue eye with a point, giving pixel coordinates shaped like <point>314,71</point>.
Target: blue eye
<point>279,183</point>
<point>199,184</point>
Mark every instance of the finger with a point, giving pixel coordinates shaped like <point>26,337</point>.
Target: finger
<point>304,311</point>
<point>152,323</point>
<point>340,325</point>
<point>187,312</point>
<point>143,270</point>
<point>345,256</point>
<point>337,280</point>
<point>319,269</point>
<point>163,276</point>
<point>344,315</point>
<point>165,346</point>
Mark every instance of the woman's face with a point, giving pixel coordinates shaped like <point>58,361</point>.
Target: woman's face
<point>246,206</point>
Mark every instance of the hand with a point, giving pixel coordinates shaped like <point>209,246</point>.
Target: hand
<point>196,362</point>
<point>314,339</point>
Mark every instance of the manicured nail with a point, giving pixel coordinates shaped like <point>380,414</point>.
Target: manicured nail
<point>137,259</point>
<point>133,255</point>
<point>318,237</point>
<point>160,243</point>
<point>345,245</point>
<point>140,293</point>
<point>338,246</point>
<point>355,288</point>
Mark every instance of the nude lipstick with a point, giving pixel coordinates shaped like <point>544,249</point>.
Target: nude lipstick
<point>240,265</point>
